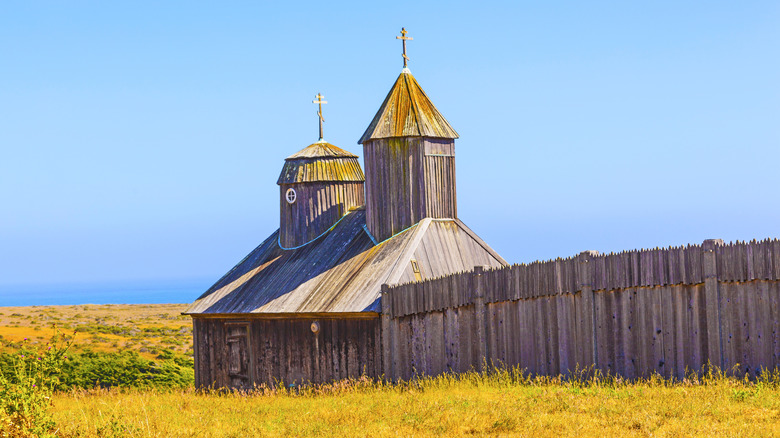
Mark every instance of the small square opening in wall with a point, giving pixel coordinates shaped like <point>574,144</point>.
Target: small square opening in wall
<point>416,270</point>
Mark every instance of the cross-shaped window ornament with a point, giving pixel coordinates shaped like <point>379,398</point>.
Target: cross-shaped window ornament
<point>290,195</point>
<point>404,38</point>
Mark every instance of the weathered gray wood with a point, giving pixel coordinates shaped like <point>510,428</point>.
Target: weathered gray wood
<point>435,337</point>
<point>284,350</point>
<point>697,328</point>
<point>531,320</point>
<point>587,313</point>
<point>627,323</point>
<point>387,335</point>
<point>728,307</point>
<point>682,341</point>
<point>643,332</point>
<point>197,347</point>
<point>773,289</point>
<point>712,299</point>
<point>656,319</point>
<point>480,318</point>
<point>404,184</point>
<point>763,320</point>
<point>317,207</point>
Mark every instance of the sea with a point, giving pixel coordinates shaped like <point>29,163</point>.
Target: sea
<point>140,292</point>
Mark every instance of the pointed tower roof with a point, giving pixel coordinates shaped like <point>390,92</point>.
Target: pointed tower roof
<point>407,112</point>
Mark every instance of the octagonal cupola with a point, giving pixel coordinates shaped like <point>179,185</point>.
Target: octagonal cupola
<point>318,186</point>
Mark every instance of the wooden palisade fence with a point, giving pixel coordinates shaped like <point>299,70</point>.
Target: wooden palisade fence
<point>632,314</point>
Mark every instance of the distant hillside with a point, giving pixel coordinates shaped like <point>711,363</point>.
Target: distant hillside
<point>128,345</point>
<point>144,328</point>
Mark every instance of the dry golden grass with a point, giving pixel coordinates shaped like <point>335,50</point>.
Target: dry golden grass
<point>444,406</point>
<point>145,328</point>
<point>501,404</point>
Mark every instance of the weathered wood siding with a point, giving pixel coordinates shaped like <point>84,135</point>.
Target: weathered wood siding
<point>633,313</point>
<point>317,207</point>
<point>408,179</point>
<point>239,353</point>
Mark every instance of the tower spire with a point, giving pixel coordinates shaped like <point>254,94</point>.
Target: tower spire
<point>319,101</point>
<point>404,38</point>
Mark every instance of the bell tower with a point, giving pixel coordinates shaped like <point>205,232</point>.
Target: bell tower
<point>409,155</point>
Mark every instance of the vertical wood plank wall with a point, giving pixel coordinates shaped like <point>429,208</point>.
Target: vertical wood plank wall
<point>318,205</point>
<point>408,179</point>
<point>632,314</point>
<point>287,351</point>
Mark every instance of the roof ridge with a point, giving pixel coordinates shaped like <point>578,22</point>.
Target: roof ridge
<point>397,270</point>
<point>413,103</point>
<point>480,242</point>
<point>321,149</point>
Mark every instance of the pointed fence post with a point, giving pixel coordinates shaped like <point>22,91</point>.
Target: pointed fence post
<point>712,300</point>
<point>479,316</point>
<point>387,354</point>
<point>589,347</point>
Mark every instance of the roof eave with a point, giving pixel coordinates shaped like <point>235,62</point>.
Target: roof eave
<point>287,315</point>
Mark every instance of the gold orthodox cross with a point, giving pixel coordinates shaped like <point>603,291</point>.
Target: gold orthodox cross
<point>404,38</point>
<point>319,113</point>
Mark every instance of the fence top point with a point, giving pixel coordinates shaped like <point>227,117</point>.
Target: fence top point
<point>712,242</point>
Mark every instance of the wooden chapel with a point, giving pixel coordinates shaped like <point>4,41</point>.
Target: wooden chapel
<point>304,306</point>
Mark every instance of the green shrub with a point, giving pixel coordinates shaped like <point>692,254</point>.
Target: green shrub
<point>126,369</point>
<point>28,378</point>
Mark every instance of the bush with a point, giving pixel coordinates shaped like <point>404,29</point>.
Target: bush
<point>126,369</point>
<point>27,379</point>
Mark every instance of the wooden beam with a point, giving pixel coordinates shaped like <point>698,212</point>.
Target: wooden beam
<point>712,301</point>
<point>323,315</point>
<point>387,336</point>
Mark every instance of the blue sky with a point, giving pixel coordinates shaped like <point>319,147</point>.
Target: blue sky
<point>142,141</point>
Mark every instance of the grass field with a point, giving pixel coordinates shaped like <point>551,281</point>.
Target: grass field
<point>503,403</point>
<point>496,405</point>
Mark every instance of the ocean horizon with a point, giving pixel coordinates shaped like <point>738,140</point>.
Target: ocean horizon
<point>145,292</point>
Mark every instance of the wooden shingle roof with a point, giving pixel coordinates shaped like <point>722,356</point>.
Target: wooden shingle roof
<point>321,149</point>
<point>407,112</point>
<point>343,271</point>
<point>321,161</point>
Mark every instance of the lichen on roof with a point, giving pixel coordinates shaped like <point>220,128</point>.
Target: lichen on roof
<point>319,150</point>
<point>321,161</point>
<point>408,112</point>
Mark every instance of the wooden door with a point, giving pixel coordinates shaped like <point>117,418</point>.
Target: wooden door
<point>237,341</point>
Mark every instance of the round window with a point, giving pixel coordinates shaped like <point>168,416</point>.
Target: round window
<point>290,196</point>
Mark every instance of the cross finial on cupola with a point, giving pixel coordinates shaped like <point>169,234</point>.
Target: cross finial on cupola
<point>319,101</point>
<point>404,38</point>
